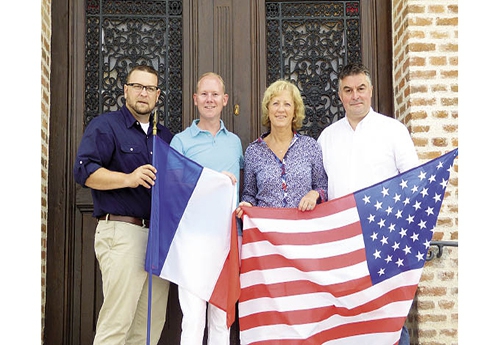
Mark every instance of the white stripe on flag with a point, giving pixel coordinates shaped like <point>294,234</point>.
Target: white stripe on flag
<point>340,219</point>
<point>201,243</point>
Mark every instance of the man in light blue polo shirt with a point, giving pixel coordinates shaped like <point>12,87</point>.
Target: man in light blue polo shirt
<point>210,144</point>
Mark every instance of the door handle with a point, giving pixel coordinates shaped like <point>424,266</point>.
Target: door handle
<point>236,109</point>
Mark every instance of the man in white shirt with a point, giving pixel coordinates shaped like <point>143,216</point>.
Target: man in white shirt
<point>364,147</point>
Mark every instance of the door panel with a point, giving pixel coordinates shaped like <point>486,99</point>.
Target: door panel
<point>226,41</point>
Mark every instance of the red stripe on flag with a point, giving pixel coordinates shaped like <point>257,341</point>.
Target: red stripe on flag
<point>305,265</point>
<point>300,287</point>
<point>227,289</point>
<point>304,238</point>
<point>321,210</point>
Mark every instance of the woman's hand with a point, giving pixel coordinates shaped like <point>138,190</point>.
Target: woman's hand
<point>239,211</point>
<point>309,201</point>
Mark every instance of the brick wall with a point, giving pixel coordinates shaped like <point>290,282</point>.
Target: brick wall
<point>425,46</point>
<point>45,100</point>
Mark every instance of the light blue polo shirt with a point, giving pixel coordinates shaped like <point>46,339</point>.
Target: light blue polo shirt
<point>222,152</point>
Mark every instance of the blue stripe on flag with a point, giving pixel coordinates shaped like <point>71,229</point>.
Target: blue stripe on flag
<point>178,178</point>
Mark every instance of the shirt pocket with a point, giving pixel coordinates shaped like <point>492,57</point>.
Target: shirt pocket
<point>131,148</point>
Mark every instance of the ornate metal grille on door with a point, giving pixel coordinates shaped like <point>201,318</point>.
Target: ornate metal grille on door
<point>308,42</point>
<point>121,34</point>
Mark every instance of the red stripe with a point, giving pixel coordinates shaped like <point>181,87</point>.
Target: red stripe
<point>227,288</point>
<point>301,287</point>
<point>305,265</point>
<point>303,238</point>
<point>322,210</point>
<point>343,331</point>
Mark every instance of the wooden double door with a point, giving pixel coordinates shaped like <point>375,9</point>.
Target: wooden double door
<point>229,37</point>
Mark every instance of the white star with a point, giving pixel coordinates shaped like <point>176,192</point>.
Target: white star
<point>427,244</point>
<point>381,272</point>
<point>381,224</point>
<point>429,211</point>
<point>404,184</point>
<point>416,205</point>
<point>366,199</point>
<point>407,201</point>
<point>444,183</point>
<point>407,250</point>
<point>403,232</point>
<point>421,176</point>
<point>395,246</point>
<point>392,227</point>
<point>371,218</point>
<point>414,189</point>
<point>440,165</point>
<point>374,236</point>
<point>422,224</point>
<point>399,262</point>
<point>424,192</point>
<point>414,237</point>
<point>397,197</point>
<point>388,210</point>
<point>437,197</point>
<point>388,258</point>
<point>378,205</point>
<point>377,254</point>
<point>399,214</point>
<point>420,256</point>
<point>432,178</point>
<point>385,191</point>
<point>384,240</point>
<point>410,219</point>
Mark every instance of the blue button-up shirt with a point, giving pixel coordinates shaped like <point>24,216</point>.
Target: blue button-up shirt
<point>117,142</point>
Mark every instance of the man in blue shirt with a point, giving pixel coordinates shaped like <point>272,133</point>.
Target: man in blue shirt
<point>210,144</point>
<point>114,160</point>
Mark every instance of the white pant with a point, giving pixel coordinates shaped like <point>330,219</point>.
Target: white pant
<point>194,313</point>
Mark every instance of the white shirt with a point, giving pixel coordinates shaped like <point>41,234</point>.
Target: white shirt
<point>379,148</point>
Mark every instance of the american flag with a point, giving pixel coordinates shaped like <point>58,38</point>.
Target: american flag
<point>345,273</point>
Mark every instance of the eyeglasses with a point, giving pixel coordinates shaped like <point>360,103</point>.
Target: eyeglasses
<point>139,87</point>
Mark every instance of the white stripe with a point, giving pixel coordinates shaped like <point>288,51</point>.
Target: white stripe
<point>310,251</point>
<point>335,220</point>
<point>201,243</point>
<point>304,331</point>
<point>287,274</point>
<point>367,339</point>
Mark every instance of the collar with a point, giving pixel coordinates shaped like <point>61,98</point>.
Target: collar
<point>366,120</point>
<point>130,120</point>
<point>195,130</point>
<point>294,139</point>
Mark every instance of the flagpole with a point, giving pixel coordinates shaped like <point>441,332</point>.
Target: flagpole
<point>155,120</point>
<point>150,277</point>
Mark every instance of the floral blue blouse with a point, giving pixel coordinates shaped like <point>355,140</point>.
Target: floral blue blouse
<point>270,182</point>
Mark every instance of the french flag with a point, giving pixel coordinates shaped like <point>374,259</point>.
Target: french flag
<point>193,240</point>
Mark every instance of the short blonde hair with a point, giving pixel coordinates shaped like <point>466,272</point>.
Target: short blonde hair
<point>274,89</point>
<point>211,74</point>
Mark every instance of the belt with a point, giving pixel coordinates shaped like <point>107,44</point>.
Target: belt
<point>126,219</point>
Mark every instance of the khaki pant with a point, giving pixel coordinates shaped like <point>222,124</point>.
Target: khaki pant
<point>120,249</point>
